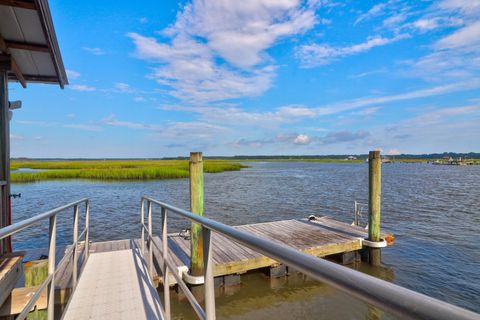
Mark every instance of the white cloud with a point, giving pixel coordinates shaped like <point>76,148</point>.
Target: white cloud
<point>465,7</point>
<point>377,10</point>
<point>94,51</point>
<point>467,37</point>
<point>302,139</point>
<point>124,87</point>
<point>216,50</point>
<point>320,54</point>
<point>453,56</point>
<point>83,126</point>
<point>393,152</point>
<point>81,87</point>
<point>16,137</point>
<point>139,99</point>
<point>72,74</point>
<point>368,111</point>
<point>437,116</point>
<point>112,121</point>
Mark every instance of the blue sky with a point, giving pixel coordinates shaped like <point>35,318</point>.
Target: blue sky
<point>162,78</point>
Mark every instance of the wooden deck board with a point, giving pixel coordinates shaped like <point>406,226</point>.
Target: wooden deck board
<point>321,237</point>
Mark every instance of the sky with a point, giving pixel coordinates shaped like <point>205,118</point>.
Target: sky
<point>256,77</point>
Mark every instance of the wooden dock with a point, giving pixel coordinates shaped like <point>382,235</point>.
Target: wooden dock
<point>321,237</point>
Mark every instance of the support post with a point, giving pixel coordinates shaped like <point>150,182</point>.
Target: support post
<point>142,226</point>
<point>196,206</point>
<point>51,266</point>
<point>374,204</point>
<point>149,240</point>
<point>208,275</point>
<point>4,157</point>
<point>75,247</point>
<point>87,232</point>
<point>166,286</point>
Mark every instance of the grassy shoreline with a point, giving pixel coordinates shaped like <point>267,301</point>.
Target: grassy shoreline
<point>144,169</point>
<point>113,169</point>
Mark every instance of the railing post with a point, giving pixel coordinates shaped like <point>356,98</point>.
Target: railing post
<point>87,231</point>
<point>196,206</point>
<point>208,275</point>
<point>355,213</point>
<point>149,240</point>
<point>51,265</point>
<point>75,245</point>
<point>166,285</point>
<point>142,224</point>
<point>374,204</point>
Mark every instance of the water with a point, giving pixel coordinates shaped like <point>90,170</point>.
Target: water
<point>434,212</point>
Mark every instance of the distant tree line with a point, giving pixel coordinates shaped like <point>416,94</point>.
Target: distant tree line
<point>469,155</point>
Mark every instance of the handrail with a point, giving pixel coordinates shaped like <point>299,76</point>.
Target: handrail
<point>49,282</point>
<point>385,295</point>
<point>14,228</point>
<point>209,313</point>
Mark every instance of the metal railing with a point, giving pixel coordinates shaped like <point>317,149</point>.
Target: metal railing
<point>405,303</point>
<point>357,213</point>
<point>49,282</point>
<point>167,265</point>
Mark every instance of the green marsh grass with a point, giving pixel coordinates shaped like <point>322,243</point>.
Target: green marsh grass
<point>113,169</point>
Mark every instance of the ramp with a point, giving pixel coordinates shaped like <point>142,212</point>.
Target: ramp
<point>115,285</point>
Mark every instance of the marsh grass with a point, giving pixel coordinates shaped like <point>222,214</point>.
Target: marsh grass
<point>113,169</point>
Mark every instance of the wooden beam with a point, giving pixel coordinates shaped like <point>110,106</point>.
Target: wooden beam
<point>13,64</point>
<point>18,74</point>
<point>5,61</point>
<point>24,4</point>
<point>35,78</point>
<point>26,46</point>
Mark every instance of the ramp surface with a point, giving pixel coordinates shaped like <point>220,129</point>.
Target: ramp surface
<point>115,285</point>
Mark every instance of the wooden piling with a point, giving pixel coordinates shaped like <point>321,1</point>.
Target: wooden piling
<point>196,206</point>
<point>374,204</point>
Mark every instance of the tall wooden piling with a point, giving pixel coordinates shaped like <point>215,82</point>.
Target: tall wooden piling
<point>374,203</point>
<point>196,206</point>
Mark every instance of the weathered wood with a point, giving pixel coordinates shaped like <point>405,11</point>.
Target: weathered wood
<point>196,206</point>
<point>10,271</point>
<point>21,296</point>
<point>374,203</point>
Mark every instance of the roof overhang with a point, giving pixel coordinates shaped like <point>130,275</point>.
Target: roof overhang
<point>28,40</point>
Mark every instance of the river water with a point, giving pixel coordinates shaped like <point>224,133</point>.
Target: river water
<point>434,212</point>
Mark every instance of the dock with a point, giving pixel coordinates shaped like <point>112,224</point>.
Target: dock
<point>320,237</point>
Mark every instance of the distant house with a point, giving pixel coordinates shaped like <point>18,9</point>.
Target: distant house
<point>351,158</point>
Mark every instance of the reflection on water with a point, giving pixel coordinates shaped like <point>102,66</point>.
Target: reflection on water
<point>434,212</point>
<point>292,297</point>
